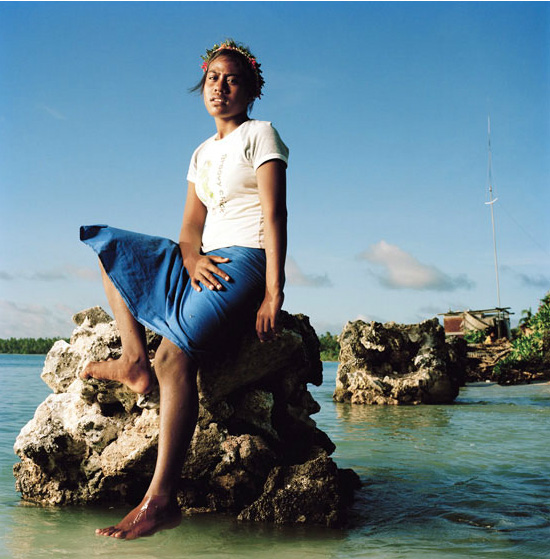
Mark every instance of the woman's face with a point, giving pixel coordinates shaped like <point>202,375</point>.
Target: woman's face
<point>225,94</point>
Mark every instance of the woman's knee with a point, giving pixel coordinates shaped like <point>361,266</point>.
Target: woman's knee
<point>170,360</point>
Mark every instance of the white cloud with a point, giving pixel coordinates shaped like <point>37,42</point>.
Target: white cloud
<point>429,311</point>
<point>295,276</point>
<point>52,112</point>
<point>34,321</point>
<point>535,280</point>
<point>48,275</point>
<point>323,326</point>
<point>55,274</point>
<point>400,270</point>
<point>366,318</point>
<point>91,274</point>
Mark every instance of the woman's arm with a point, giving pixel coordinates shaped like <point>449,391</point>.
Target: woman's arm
<point>201,268</point>
<point>272,188</point>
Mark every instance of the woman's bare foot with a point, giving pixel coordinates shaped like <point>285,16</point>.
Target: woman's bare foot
<point>151,515</point>
<point>134,373</point>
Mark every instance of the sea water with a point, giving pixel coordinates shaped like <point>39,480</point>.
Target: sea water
<point>467,480</point>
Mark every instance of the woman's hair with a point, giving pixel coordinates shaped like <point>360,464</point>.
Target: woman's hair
<point>249,69</point>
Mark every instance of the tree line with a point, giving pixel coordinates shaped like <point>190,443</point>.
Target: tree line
<point>26,346</point>
<point>330,347</point>
<point>531,348</point>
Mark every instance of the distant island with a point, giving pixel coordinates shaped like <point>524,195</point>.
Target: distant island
<point>40,346</point>
<point>28,346</point>
<point>329,347</point>
<point>524,358</point>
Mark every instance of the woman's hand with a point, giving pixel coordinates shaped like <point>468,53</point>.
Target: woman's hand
<point>203,269</point>
<point>267,319</point>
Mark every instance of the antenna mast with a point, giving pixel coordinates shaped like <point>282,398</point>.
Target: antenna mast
<point>491,203</point>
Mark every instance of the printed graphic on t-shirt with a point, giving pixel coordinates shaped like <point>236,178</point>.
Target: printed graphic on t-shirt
<point>203,189</point>
<point>210,185</point>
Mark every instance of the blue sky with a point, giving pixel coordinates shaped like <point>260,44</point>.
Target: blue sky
<point>384,107</point>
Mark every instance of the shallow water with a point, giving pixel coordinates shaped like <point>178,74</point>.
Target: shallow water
<point>469,480</point>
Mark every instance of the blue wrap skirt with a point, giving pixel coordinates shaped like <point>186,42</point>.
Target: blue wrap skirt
<point>148,273</point>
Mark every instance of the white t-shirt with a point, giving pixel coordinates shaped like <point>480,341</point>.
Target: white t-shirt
<point>224,174</point>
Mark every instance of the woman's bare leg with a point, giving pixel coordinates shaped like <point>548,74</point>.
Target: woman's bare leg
<point>132,368</point>
<point>177,376</point>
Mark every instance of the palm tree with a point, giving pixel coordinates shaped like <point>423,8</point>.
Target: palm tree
<point>526,315</point>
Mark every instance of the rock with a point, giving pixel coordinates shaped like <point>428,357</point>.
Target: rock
<point>398,364</point>
<point>256,452</point>
<point>304,493</point>
<point>92,317</point>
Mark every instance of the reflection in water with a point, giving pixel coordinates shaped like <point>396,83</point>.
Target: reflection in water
<point>475,471</point>
<point>396,419</point>
<point>463,481</point>
<point>42,532</point>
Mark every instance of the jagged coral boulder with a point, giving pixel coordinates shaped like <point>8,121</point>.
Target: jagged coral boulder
<point>304,493</point>
<point>256,451</point>
<point>398,364</point>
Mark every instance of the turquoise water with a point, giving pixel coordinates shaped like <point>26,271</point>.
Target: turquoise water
<point>469,480</point>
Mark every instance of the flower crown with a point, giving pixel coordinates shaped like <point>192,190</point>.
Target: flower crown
<point>230,44</point>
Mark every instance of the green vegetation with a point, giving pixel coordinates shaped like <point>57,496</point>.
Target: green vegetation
<point>330,347</point>
<point>526,316</point>
<point>531,349</point>
<point>475,336</point>
<point>39,346</point>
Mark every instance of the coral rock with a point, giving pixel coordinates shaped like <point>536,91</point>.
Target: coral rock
<point>398,364</point>
<point>256,451</point>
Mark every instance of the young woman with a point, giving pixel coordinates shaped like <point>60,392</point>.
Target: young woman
<point>229,263</point>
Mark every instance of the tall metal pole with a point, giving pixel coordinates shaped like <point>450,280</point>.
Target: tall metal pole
<point>491,203</point>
